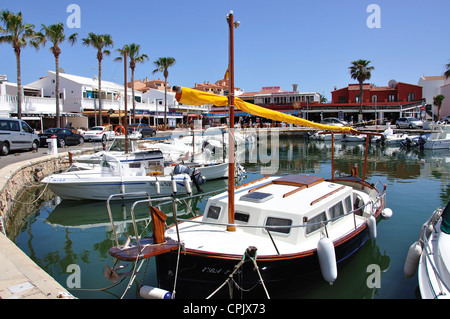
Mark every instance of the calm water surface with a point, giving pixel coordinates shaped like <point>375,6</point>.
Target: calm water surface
<point>59,234</point>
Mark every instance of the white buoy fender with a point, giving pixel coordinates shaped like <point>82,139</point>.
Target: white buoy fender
<point>327,259</point>
<point>372,225</point>
<point>149,292</point>
<point>174,185</point>
<point>412,259</point>
<point>157,187</point>
<point>386,213</point>
<point>187,185</point>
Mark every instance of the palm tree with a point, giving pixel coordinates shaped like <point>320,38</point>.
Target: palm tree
<point>101,42</point>
<point>17,33</point>
<point>132,51</point>
<point>437,101</point>
<point>360,71</point>
<point>447,73</point>
<point>55,34</point>
<point>162,64</point>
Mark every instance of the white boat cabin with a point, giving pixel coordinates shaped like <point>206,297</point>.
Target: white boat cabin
<point>299,202</point>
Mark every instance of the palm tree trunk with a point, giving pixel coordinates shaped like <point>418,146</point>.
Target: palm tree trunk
<point>132,95</point>
<point>100,115</point>
<point>19,86</point>
<point>165,102</point>
<point>360,98</point>
<point>58,115</point>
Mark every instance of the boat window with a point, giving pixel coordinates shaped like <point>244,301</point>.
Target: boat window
<point>274,221</point>
<point>348,204</point>
<point>357,204</point>
<point>213,212</point>
<point>134,165</point>
<point>314,223</point>
<point>243,217</point>
<point>336,210</point>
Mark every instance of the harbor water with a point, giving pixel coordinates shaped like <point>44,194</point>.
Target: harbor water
<point>70,240</point>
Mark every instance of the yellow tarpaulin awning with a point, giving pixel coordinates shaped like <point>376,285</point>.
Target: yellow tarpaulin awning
<point>196,97</point>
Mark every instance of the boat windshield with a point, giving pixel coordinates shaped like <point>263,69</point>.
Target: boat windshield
<point>119,145</point>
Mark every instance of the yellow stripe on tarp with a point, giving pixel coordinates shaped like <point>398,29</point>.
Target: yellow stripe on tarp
<point>196,97</point>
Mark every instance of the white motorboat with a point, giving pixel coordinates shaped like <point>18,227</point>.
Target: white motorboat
<point>430,256</point>
<point>141,153</point>
<point>111,177</point>
<point>439,137</point>
<point>388,137</point>
<point>353,138</point>
<point>138,154</point>
<point>324,136</point>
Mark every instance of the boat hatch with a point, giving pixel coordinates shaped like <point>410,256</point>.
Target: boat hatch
<point>257,197</point>
<point>298,180</point>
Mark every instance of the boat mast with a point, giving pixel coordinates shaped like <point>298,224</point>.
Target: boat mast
<point>125,124</point>
<point>231,25</point>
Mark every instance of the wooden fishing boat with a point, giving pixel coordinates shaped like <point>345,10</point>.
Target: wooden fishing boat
<point>270,231</point>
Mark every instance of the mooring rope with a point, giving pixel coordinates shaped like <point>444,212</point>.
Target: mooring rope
<point>236,268</point>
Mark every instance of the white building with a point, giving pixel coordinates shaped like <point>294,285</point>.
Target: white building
<point>435,85</point>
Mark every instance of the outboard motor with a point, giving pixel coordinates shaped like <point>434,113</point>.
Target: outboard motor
<point>182,169</point>
<point>198,180</point>
<point>422,141</point>
<point>195,175</point>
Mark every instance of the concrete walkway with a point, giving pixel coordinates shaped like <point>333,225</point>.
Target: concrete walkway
<point>22,278</point>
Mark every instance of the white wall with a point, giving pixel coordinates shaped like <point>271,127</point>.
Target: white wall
<point>445,109</point>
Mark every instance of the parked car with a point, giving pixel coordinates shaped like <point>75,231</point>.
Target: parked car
<point>144,129</point>
<point>409,122</point>
<point>16,134</point>
<point>63,136</point>
<point>333,121</point>
<point>99,133</point>
<point>445,119</point>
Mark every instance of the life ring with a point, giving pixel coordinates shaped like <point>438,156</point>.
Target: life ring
<point>121,128</point>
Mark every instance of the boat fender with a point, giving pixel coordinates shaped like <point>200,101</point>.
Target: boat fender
<point>174,185</point>
<point>386,213</point>
<point>412,259</point>
<point>149,292</point>
<point>187,185</point>
<point>158,187</point>
<point>327,259</point>
<point>426,230</point>
<point>372,224</point>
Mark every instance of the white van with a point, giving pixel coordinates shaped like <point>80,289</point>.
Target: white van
<point>16,135</point>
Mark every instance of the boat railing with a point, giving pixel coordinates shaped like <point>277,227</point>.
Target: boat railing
<point>268,228</point>
<point>165,200</point>
<point>431,222</point>
<point>123,196</point>
<point>323,224</point>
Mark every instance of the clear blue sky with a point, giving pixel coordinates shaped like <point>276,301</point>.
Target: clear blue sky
<point>278,43</point>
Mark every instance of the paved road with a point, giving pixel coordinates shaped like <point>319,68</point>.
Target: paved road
<point>23,155</point>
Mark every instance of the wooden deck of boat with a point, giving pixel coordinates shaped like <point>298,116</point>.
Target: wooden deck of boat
<point>149,249</point>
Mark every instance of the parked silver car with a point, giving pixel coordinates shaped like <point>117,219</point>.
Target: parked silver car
<point>16,134</point>
<point>409,122</point>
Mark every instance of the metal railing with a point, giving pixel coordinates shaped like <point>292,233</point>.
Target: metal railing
<point>429,254</point>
